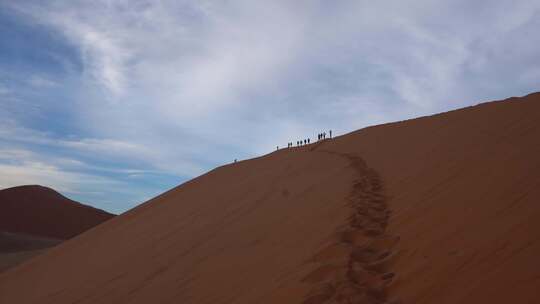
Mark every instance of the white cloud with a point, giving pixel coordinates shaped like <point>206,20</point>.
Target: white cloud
<point>40,81</point>
<point>23,167</point>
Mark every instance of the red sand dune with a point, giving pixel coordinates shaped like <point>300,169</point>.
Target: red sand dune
<point>441,209</point>
<point>41,211</point>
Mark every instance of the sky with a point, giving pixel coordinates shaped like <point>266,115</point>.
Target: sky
<point>113,102</point>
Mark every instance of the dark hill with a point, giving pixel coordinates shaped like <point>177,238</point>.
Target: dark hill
<point>41,211</point>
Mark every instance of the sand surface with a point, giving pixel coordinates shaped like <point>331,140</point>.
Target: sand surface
<point>441,209</point>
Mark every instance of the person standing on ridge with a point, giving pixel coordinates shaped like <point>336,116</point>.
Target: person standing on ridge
<point>330,133</point>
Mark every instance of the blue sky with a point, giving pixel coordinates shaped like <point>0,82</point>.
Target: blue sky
<point>114,102</point>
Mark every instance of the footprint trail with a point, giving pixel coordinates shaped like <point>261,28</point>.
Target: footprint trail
<point>354,268</point>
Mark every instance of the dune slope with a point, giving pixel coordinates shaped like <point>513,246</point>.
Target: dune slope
<point>441,209</point>
<point>465,193</point>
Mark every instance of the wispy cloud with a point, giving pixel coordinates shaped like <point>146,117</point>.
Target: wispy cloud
<point>20,167</point>
<point>40,81</point>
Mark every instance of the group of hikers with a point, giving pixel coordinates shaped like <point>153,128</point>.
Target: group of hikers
<point>323,135</point>
<point>299,143</point>
<point>307,141</point>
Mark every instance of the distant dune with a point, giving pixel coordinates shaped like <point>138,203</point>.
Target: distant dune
<point>439,209</point>
<point>41,211</point>
<point>33,218</point>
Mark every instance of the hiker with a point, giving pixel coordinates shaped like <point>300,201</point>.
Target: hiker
<point>308,140</point>
<point>305,141</point>
<point>330,133</point>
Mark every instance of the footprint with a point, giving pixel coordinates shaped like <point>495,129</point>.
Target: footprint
<point>359,275</point>
<point>377,286</point>
<point>333,253</point>
<point>373,231</point>
<point>317,299</point>
<point>324,273</point>
<point>383,243</point>
<point>364,256</point>
<point>355,237</point>
<point>383,261</point>
<point>320,294</point>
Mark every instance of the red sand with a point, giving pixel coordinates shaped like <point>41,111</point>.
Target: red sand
<point>446,211</point>
<point>41,211</point>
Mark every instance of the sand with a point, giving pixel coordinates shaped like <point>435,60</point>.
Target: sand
<point>441,209</point>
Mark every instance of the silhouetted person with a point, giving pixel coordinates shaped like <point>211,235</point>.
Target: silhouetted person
<point>330,133</point>
<point>305,141</point>
<point>308,140</point>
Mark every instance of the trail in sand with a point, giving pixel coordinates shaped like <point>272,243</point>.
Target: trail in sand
<point>354,268</point>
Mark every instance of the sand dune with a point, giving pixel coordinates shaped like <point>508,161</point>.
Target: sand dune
<point>441,209</point>
<point>41,211</point>
<point>33,218</point>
